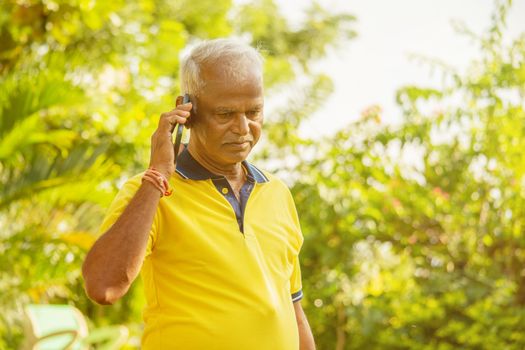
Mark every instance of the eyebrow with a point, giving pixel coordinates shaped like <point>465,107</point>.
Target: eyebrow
<point>223,109</point>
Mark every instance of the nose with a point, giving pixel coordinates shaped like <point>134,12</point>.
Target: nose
<point>241,126</point>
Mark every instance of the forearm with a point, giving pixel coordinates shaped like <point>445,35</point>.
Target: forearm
<point>115,259</point>
<point>306,338</point>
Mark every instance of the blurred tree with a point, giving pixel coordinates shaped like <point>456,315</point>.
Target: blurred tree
<point>81,86</point>
<point>414,232</point>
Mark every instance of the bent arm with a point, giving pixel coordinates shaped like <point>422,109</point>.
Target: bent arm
<point>306,338</point>
<point>115,259</point>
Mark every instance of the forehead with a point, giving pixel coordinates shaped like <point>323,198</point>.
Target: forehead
<point>221,87</point>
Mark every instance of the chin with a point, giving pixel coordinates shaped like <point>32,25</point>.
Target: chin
<point>237,157</point>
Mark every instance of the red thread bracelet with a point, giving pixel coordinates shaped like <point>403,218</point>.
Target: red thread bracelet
<point>156,178</point>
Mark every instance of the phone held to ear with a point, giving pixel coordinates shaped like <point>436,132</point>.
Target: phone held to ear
<point>179,129</point>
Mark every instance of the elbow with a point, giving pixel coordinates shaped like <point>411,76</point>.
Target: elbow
<point>103,295</point>
<point>99,291</point>
<point>100,296</point>
<point>104,300</point>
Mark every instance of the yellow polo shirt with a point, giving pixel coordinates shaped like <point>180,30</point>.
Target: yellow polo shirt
<point>218,276</point>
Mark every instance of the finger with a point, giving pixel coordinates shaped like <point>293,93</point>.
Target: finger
<point>178,112</point>
<point>175,118</point>
<point>167,123</point>
<point>184,107</point>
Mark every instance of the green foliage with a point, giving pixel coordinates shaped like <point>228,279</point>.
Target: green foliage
<point>414,232</point>
<point>82,84</point>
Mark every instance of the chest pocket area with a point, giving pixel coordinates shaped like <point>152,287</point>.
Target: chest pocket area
<point>274,242</point>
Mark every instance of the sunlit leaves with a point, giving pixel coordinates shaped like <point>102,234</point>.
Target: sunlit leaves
<point>82,86</point>
<point>443,191</point>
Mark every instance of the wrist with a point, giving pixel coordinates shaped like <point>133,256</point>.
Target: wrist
<point>152,186</point>
<point>165,172</point>
<point>159,180</point>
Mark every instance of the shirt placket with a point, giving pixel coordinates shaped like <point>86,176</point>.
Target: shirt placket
<point>238,206</point>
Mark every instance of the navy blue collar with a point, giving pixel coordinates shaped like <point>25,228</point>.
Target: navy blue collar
<point>189,168</point>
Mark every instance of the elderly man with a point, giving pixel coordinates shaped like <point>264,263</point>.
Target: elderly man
<point>219,256</point>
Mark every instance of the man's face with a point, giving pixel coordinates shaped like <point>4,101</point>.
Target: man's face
<point>229,115</point>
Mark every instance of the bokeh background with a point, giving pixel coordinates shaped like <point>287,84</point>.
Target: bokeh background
<point>412,202</point>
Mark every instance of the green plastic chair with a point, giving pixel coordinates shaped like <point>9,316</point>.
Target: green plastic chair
<point>63,327</point>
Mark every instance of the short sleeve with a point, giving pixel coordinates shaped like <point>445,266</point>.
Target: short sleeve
<point>120,202</point>
<point>297,242</point>
<point>296,285</point>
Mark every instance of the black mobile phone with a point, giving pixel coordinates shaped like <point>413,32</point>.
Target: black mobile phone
<point>178,133</point>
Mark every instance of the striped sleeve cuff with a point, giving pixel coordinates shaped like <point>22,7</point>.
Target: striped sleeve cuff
<point>297,296</point>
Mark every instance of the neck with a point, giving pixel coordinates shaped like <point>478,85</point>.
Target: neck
<point>231,171</point>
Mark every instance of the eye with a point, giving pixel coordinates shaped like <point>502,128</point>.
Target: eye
<point>253,114</point>
<point>226,115</point>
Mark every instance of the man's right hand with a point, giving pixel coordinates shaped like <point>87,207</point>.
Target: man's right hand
<point>162,157</point>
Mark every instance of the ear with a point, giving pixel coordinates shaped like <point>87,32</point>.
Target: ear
<point>191,119</point>
<point>179,100</point>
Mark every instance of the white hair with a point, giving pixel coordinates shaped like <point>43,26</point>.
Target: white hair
<point>233,56</point>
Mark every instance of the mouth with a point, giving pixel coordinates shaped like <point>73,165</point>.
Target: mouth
<point>239,143</point>
<point>243,144</point>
